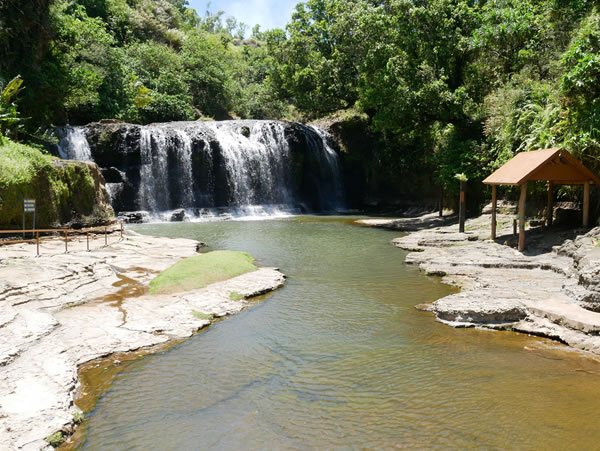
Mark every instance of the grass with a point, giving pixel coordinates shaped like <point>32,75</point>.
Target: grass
<point>78,417</point>
<point>235,296</point>
<point>56,439</point>
<point>201,315</point>
<point>198,272</point>
<point>59,186</point>
<point>20,163</point>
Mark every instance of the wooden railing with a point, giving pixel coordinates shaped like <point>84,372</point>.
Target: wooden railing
<point>63,234</point>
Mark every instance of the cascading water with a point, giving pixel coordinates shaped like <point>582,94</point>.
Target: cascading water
<point>73,144</point>
<point>256,164</point>
<point>208,169</point>
<point>330,163</point>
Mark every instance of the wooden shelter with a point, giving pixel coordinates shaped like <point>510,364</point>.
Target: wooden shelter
<point>555,166</point>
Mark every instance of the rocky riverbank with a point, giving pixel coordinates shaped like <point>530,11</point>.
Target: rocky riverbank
<point>59,311</point>
<point>552,289</point>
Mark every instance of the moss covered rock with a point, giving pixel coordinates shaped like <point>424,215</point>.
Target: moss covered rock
<point>67,192</point>
<point>202,270</point>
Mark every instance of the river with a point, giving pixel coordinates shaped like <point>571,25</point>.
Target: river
<point>339,358</point>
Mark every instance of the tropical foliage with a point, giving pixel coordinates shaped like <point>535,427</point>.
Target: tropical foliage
<point>451,86</point>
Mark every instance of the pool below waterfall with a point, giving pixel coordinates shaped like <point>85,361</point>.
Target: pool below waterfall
<point>339,358</point>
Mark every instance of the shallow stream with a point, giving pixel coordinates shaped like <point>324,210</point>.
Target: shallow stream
<point>339,358</point>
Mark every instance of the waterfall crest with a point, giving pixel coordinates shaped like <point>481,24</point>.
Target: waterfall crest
<point>208,169</point>
<point>73,144</point>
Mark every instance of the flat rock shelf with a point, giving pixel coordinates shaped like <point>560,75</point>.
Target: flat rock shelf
<point>552,289</point>
<point>60,311</point>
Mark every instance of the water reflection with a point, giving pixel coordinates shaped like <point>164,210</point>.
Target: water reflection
<point>339,358</point>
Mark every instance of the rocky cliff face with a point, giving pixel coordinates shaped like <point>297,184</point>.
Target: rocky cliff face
<point>204,165</point>
<point>69,193</point>
<point>375,183</point>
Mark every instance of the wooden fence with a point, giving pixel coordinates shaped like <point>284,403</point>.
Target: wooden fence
<point>63,234</point>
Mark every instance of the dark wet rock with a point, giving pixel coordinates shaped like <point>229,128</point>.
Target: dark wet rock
<point>245,131</point>
<point>200,245</point>
<point>113,175</point>
<point>134,217</point>
<point>178,215</point>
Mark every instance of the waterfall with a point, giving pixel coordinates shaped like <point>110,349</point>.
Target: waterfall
<point>73,144</point>
<point>213,169</point>
<point>256,164</point>
<point>330,162</point>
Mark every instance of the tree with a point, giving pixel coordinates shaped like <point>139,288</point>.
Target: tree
<point>9,115</point>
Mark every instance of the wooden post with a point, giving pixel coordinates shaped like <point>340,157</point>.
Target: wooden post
<point>461,211</point>
<point>441,212</point>
<point>105,236</point>
<point>87,239</point>
<point>66,242</point>
<point>122,230</point>
<point>586,204</point>
<point>550,207</point>
<point>37,242</point>
<point>522,199</point>
<point>494,204</point>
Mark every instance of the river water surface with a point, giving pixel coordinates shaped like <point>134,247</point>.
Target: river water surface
<point>339,358</point>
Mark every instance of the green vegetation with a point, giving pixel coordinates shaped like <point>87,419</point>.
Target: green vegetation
<point>56,439</point>
<point>9,116</point>
<point>447,86</point>
<point>60,187</point>
<point>201,315</point>
<point>78,417</point>
<point>235,296</point>
<point>202,270</point>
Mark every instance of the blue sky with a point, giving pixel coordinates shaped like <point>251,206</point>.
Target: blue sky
<point>267,13</point>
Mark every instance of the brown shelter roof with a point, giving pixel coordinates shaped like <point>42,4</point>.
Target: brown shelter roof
<point>554,165</point>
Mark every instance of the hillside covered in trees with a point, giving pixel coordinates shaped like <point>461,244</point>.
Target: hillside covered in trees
<point>448,86</point>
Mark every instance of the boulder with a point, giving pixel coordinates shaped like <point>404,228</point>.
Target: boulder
<point>113,175</point>
<point>134,217</point>
<point>568,214</point>
<point>178,215</point>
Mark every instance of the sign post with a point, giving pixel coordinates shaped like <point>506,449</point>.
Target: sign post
<point>28,207</point>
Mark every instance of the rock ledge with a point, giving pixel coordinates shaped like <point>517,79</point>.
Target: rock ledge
<point>59,311</point>
<point>551,290</point>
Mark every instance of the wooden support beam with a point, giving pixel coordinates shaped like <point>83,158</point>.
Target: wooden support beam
<point>494,205</point>
<point>586,204</point>
<point>522,200</point>
<point>462,207</point>
<point>550,207</point>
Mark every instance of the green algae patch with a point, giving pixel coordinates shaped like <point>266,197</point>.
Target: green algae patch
<point>202,270</point>
<point>235,296</point>
<point>201,315</point>
<point>56,439</point>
